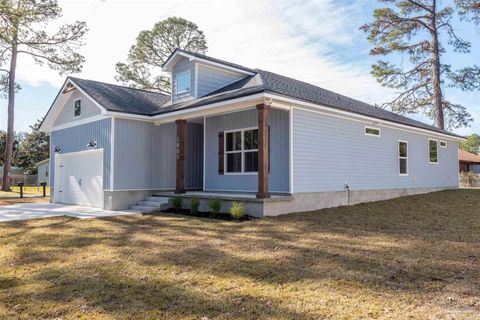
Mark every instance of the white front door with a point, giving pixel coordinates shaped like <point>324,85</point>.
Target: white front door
<point>79,178</point>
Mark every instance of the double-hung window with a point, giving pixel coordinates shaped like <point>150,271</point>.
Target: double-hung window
<point>432,151</point>
<point>403,158</point>
<point>241,151</point>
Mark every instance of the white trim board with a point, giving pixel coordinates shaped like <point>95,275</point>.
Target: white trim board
<point>112,153</point>
<point>290,138</point>
<point>79,122</point>
<point>204,61</point>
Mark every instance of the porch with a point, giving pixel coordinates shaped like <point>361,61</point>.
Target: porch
<point>245,156</point>
<point>254,205</point>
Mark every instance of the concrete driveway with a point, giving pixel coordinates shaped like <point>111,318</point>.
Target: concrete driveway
<point>26,211</point>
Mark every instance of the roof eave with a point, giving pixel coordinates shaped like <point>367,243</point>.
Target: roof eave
<point>167,66</point>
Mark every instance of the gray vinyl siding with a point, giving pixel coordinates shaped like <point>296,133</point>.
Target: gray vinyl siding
<point>75,139</point>
<point>211,79</point>
<point>88,109</point>
<point>145,156</point>
<point>279,148</point>
<point>181,66</point>
<point>329,151</point>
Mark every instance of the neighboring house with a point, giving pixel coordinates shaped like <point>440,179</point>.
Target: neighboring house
<point>43,168</point>
<point>227,131</point>
<point>468,161</point>
<point>17,175</point>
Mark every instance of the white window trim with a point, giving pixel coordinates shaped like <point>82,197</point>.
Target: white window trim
<point>372,135</point>
<point>176,81</point>
<point>428,150</point>
<point>73,109</point>
<point>242,151</point>
<point>440,144</point>
<point>399,157</point>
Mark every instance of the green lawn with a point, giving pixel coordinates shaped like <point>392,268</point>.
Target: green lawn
<point>412,258</point>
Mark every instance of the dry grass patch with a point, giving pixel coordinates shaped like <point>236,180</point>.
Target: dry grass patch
<point>411,258</point>
<point>10,201</point>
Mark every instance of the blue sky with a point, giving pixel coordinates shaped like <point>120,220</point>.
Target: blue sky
<point>315,41</point>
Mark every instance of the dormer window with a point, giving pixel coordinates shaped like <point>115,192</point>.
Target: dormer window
<point>183,82</point>
<point>77,108</point>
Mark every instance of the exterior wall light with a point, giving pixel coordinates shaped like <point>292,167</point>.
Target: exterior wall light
<point>57,149</point>
<point>92,144</point>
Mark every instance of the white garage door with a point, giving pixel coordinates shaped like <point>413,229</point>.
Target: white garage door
<point>79,178</point>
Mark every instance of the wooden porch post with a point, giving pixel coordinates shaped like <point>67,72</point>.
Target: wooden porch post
<point>180,184</point>
<point>263,112</point>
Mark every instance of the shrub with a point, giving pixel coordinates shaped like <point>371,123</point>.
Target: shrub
<point>214,205</point>
<point>176,203</point>
<point>237,210</point>
<point>468,178</point>
<point>194,204</point>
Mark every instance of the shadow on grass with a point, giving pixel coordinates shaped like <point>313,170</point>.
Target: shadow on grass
<point>418,245</point>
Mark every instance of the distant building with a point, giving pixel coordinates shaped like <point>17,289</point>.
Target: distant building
<point>468,161</point>
<point>16,175</point>
<point>43,168</point>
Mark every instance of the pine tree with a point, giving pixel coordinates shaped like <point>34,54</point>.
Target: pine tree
<point>22,32</point>
<point>414,28</point>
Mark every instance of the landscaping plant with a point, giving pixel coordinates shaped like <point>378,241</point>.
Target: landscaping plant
<point>214,205</point>
<point>237,210</point>
<point>194,204</point>
<point>176,203</point>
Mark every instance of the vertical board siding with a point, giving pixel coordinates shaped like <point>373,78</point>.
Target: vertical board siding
<point>145,155</point>
<point>329,151</point>
<point>88,109</point>
<point>194,156</point>
<point>211,79</point>
<point>279,148</point>
<point>181,66</point>
<point>75,139</point>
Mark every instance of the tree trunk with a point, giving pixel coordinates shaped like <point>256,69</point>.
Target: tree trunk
<point>436,73</point>
<point>11,108</point>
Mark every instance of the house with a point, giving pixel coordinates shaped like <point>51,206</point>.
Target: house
<point>468,161</point>
<point>239,134</point>
<point>43,167</point>
<point>16,175</point>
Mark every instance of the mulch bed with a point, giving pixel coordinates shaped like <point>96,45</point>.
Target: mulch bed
<point>210,215</point>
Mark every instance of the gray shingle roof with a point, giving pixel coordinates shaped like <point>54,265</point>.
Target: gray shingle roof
<point>123,99</point>
<point>129,100</point>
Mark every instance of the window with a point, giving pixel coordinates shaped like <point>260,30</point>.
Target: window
<point>443,144</point>
<point>241,150</point>
<point>369,131</point>
<point>433,151</point>
<point>183,82</point>
<point>403,158</point>
<point>77,108</point>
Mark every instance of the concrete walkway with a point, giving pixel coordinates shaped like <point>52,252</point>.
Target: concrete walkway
<point>26,211</point>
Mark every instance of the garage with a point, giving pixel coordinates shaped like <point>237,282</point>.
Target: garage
<point>79,178</point>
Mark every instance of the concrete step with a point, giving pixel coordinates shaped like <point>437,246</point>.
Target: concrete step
<point>157,199</point>
<point>148,203</point>
<point>144,208</point>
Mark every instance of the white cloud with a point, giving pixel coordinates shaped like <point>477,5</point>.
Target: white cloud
<point>291,39</point>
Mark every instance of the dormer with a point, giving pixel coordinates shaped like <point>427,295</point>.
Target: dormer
<point>195,75</point>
